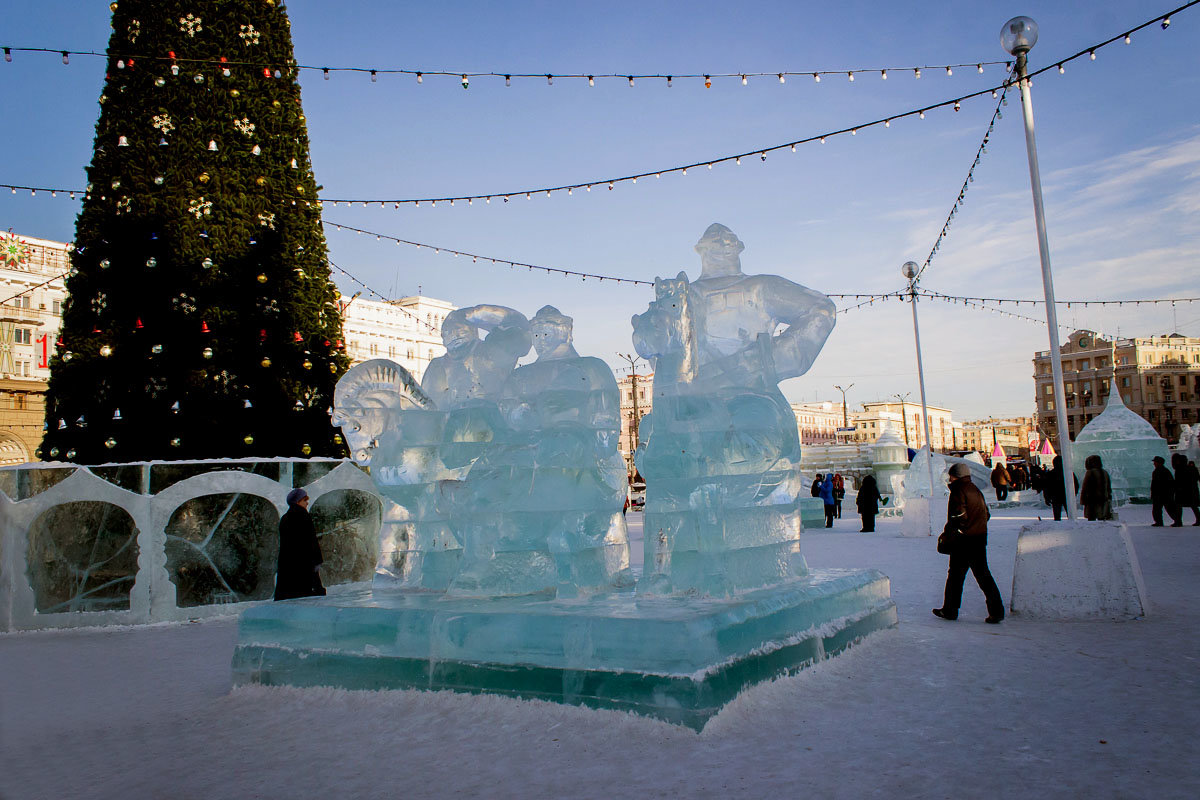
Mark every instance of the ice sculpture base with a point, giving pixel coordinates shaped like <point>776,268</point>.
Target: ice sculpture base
<point>677,659</point>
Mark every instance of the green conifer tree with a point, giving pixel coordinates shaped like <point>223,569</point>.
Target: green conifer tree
<point>201,321</point>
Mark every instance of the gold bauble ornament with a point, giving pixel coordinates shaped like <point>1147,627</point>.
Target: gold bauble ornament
<point>262,277</point>
<point>248,439</point>
<point>305,450</point>
<point>203,177</point>
<point>260,180</point>
<point>266,362</point>
<point>306,364</point>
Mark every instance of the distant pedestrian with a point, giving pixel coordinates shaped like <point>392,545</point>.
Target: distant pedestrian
<point>1187,486</point>
<point>839,491</point>
<point>1096,493</point>
<point>1000,481</point>
<point>816,485</point>
<point>868,503</point>
<point>299,552</point>
<point>1053,489</point>
<point>966,519</point>
<point>827,498</point>
<point>1162,495</point>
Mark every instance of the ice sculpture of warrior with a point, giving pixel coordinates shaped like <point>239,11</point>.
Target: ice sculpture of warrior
<point>720,451</point>
<point>541,510</point>
<point>421,441</point>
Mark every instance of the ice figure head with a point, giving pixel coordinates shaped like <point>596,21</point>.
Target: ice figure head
<point>368,401</point>
<point>719,250</point>
<point>457,333</point>
<point>552,334</point>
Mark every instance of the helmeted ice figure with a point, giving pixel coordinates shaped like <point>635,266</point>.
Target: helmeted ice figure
<point>720,451</point>
<point>421,441</point>
<point>544,510</point>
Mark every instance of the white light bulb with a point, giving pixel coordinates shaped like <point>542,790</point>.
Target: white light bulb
<point>917,72</point>
<point>883,74</point>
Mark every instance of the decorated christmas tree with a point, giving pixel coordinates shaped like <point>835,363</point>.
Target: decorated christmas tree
<point>201,320</point>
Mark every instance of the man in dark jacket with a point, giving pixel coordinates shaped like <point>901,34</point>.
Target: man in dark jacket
<point>967,515</point>
<point>299,553</point>
<point>1000,481</point>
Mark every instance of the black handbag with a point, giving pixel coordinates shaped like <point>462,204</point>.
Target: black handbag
<point>948,541</point>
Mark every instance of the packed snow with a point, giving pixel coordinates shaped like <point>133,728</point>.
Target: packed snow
<point>930,709</point>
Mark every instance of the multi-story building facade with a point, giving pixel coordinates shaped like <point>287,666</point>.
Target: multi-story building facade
<point>904,418</point>
<point>818,423</point>
<point>1158,378</point>
<point>32,294</point>
<point>1012,434</point>
<point>637,400</point>
<point>407,331</point>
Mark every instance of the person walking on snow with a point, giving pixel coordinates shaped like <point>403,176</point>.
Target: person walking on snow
<point>1187,486</point>
<point>868,503</point>
<point>967,516</point>
<point>827,499</point>
<point>839,491</point>
<point>1000,481</point>
<point>1162,495</point>
<point>1096,493</point>
<point>299,552</point>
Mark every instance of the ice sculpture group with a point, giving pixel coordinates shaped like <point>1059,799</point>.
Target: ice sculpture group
<point>505,565</point>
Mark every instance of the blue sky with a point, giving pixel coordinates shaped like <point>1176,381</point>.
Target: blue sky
<point>1118,137</point>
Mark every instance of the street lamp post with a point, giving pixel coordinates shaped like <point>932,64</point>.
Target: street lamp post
<point>903,398</point>
<point>910,270</point>
<point>633,423</point>
<point>1018,36</point>
<point>845,415</point>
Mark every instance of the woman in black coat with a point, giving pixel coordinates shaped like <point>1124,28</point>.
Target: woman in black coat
<point>868,503</point>
<point>1187,486</point>
<point>299,553</point>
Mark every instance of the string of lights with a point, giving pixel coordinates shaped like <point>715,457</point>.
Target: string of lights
<point>475,257</point>
<point>611,182</point>
<point>464,77</point>
<point>1164,20</point>
<point>432,328</point>
<point>1067,303</point>
<point>966,184</point>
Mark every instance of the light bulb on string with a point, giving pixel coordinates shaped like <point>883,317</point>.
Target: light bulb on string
<point>466,82</point>
<point>67,56</point>
<point>979,67</point>
<point>949,72</point>
<point>508,80</point>
<point>883,74</point>
<point>630,81</point>
<point>1092,55</point>
<point>420,78</point>
<point>325,72</point>
<point>549,80</point>
<point>591,80</point>
<point>1128,39</point>
<point>743,80</point>
<point>782,79</point>
<point>707,82</point>
<point>917,72</point>
<point>669,82</point>
<point>816,77</point>
<point>851,76</point>
<point>1061,70</point>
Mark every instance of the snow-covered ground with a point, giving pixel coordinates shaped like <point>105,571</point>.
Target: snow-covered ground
<point>930,709</point>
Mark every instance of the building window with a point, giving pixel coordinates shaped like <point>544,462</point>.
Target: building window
<point>1049,389</point>
<point>56,307</point>
<point>1049,405</point>
<point>1125,383</point>
<point>1149,381</point>
<point>23,336</point>
<point>1183,380</point>
<point>1085,363</point>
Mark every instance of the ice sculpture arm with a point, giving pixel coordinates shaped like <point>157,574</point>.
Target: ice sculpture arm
<point>508,330</point>
<point>810,317</point>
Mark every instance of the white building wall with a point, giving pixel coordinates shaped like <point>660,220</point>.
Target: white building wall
<point>407,331</point>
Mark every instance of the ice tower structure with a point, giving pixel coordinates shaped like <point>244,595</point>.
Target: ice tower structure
<point>1126,444</point>
<point>505,560</point>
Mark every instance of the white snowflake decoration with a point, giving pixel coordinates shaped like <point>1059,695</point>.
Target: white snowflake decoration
<point>123,204</point>
<point>163,122</point>
<point>249,35</point>
<point>135,30</point>
<point>99,302</point>
<point>244,126</point>
<point>190,25</point>
<point>267,220</point>
<point>184,303</point>
<point>200,207</point>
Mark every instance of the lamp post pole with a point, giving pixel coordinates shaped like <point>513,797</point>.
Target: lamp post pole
<point>1018,36</point>
<point>633,423</point>
<point>910,269</point>
<point>845,415</point>
<point>903,398</point>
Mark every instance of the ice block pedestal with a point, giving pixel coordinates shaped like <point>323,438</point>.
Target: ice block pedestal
<point>679,659</point>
